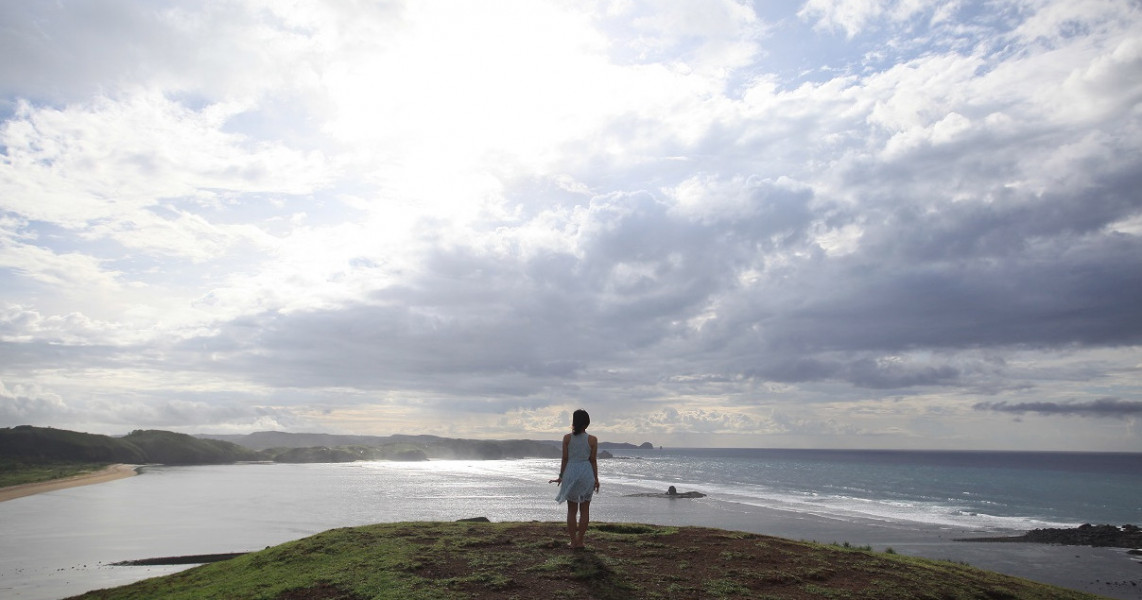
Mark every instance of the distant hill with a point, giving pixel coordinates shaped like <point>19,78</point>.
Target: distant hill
<point>43,444</point>
<point>265,440</point>
<point>26,444</point>
<point>626,446</point>
<point>340,448</point>
<point>284,447</point>
<point>171,448</point>
<point>34,445</point>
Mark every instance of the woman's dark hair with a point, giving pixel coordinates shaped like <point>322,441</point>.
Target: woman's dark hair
<point>579,421</point>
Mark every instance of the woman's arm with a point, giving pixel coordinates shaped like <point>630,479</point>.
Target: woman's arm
<point>593,442</point>
<point>563,463</point>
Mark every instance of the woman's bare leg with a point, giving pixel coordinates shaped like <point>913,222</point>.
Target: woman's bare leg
<point>584,518</point>
<point>572,526</point>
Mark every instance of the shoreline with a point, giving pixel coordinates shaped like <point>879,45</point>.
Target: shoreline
<point>111,473</point>
<point>177,515</point>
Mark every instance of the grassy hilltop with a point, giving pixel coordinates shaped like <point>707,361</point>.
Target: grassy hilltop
<point>530,560</point>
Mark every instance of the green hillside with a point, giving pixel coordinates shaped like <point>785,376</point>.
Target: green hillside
<point>370,447</point>
<point>412,561</point>
<point>28,445</point>
<point>171,448</point>
<point>35,445</point>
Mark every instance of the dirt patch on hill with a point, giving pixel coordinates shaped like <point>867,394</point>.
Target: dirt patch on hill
<point>639,561</point>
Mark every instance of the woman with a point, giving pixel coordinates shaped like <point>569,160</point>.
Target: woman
<point>578,476</point>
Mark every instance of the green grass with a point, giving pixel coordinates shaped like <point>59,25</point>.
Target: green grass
<point>18,473</point>
<point>443,561</point>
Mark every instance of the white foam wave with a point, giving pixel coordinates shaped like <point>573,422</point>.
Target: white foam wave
<point>848,507</point>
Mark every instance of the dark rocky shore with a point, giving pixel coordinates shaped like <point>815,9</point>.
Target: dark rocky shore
<point>190,559</point>
<point>1105,536</point>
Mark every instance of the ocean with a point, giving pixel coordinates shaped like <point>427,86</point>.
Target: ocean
<point>62,543</point>
<point>987,491</point>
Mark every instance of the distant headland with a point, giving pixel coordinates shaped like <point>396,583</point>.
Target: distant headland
<point>27,444</point>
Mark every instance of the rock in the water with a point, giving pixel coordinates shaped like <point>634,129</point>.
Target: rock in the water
<point>1107,536</point>
<point>672,492</point>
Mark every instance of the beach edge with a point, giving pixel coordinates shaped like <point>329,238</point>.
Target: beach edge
<point>110,473</point>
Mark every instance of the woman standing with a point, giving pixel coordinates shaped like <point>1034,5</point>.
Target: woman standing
<point>578,476</point>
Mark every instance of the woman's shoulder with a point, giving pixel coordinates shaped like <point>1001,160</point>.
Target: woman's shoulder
<point>592,439</point>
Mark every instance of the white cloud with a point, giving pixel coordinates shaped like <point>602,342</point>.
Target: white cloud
<point>19,324</point>
<point>854,16</point>
<point>353,216</point>
<point>62,270</point>
<point>26,405</point>
<point>63,53</point>
<point>704,421</point>
<point>112,160</point>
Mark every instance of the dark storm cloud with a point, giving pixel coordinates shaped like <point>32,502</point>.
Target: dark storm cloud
<point>1102,407</point>
<point>514,322</point>
<point>974,277</point>
<point>527,319</point>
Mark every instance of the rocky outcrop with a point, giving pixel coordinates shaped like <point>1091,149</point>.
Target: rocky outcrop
<point>1106,536</point>
<point>670,493</point>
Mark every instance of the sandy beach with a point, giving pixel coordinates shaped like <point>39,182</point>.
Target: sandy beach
<point>111,473</point>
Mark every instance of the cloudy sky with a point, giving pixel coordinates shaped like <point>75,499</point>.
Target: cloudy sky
<point>832,223</point>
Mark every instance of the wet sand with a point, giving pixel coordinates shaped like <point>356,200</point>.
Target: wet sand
<point>111,473</point>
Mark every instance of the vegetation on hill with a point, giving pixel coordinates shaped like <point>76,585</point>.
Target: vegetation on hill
<point>38,445</point>
<point>13,472</point>
<point>530,560</point>
<point>26,445</point>
<point>402,452</point>
<point>341,448</point>
<point>171,448</point>
<point>29,454</point>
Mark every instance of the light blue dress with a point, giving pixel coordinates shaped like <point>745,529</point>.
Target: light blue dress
<point>579,476</point>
